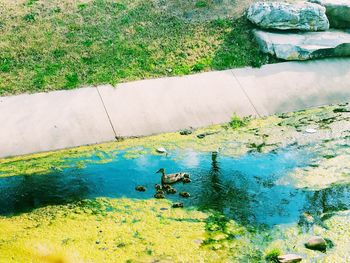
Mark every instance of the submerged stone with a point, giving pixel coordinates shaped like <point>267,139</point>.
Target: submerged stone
<point>337,11</point>
<point>286,16</point>
<point>304,46</point>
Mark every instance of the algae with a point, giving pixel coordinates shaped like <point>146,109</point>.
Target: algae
<point>264,134</point>
<point>120,230</point>
<point>335,230</point>
<point>129,230</point>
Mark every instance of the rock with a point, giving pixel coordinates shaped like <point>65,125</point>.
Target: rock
<point>304,46</point>
<point>310,130</point>
<point>186,132</point>
<point>342,109</point>
<point>316,243</point>
<point>289,258</point>
<point>201,136</point>
<point>161,150</point>
<point>337,11</point>
<point>303,16</point>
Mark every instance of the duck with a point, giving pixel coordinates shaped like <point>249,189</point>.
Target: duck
<point>140,188</point>
<point>186,180</point>
<point>159,195</point>
<point>171,191</point>
<point>166,186</point>
<point>171,178</point>
<point>184,194</point>
<point>160,191</point>
<point>158,187</point>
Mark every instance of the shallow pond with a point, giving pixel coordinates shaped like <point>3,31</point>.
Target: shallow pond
<point>253,189</point>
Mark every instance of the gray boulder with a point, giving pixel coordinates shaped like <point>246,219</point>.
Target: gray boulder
<point>303,16</point>
<point>316,243</point>
<point>304,45</point>
<point>337,11</point>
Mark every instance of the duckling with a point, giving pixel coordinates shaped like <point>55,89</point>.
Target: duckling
<point>171,191</point>
<point>140,188</point>
<point>160,191</point>
<point>166,186</point>
<point>184,194</point>
<point>186,180</point>
<point>171,178</point>
<point>178,205</point>
<point>159,196</point>
<point>158,187</point>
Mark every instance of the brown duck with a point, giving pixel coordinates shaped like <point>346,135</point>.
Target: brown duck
<point>172,178</point>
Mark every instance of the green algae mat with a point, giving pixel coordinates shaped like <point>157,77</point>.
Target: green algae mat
<point>260,188</point>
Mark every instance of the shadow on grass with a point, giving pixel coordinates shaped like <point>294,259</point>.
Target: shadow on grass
<point>106,42</point>
<point>239,47</point>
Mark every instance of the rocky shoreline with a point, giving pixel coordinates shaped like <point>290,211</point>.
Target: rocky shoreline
<point>302,30</point>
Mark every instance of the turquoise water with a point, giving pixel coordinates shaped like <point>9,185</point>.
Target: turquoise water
<point>245,189</point>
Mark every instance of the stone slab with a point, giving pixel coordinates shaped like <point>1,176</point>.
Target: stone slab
<point>337,11</point>
<point>165,105</point>
<point>292,86</point>
<point>305,45</point>
<point>51,121</point>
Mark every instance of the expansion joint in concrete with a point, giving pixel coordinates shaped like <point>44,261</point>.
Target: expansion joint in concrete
<point>109,118</point>
<point>245,93</point>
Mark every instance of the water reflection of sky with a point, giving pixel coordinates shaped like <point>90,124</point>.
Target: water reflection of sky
<point>243,188</point>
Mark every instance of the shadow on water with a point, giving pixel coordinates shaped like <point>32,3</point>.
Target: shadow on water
<point>245,189</point>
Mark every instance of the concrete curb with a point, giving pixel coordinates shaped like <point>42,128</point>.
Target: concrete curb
<point>63,119</point>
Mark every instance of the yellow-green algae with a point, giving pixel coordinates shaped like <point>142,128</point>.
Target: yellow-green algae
<point>336,228</point>
<point>125,230</point>
<point>120,230</point>
<point>261,134</point>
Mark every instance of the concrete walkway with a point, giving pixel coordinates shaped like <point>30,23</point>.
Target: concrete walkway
<point>63,119</point>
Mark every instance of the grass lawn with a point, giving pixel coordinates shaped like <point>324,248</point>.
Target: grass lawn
<point>52,45</point>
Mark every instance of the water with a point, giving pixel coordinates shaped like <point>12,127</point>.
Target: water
<point>245,189</point>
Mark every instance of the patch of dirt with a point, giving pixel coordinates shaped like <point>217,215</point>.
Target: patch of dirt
<point>205,10</point>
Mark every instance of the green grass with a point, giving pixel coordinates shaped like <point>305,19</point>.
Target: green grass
<point>272,255</point>
<point>52,45</point>
<point>237,122</point>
